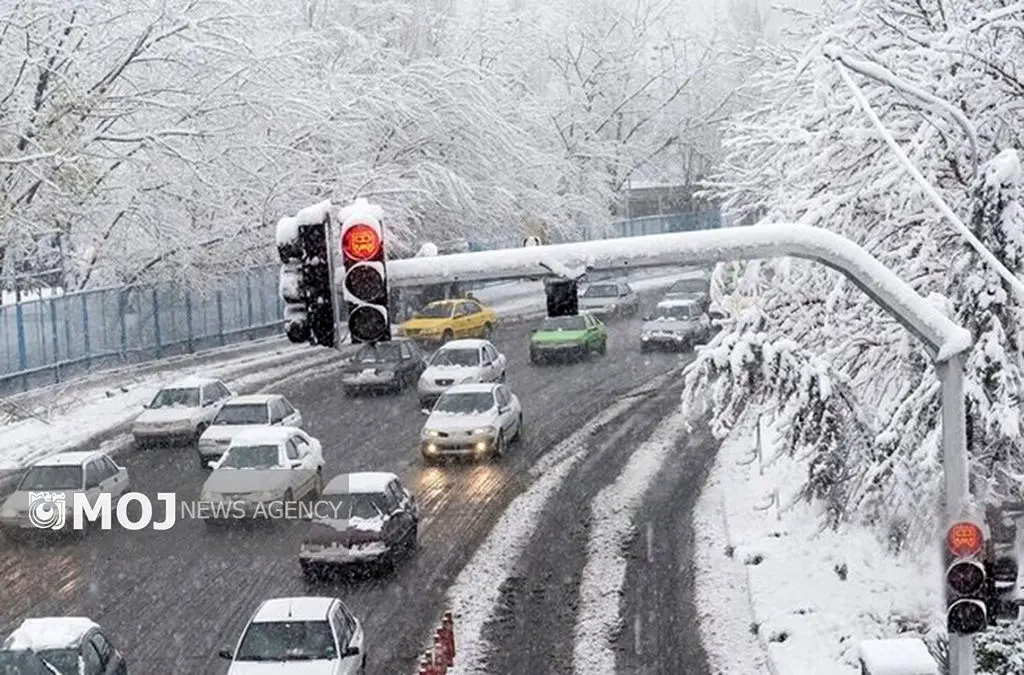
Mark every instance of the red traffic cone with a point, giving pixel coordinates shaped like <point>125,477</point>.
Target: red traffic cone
<point>427,666</point>
<point>441,656</point>
<point>448,624</point>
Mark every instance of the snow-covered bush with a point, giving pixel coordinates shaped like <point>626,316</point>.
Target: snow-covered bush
<point>997,650</point>
<point>811,155</point>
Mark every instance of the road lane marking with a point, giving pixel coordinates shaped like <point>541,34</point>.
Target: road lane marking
<point>650,541</point>
<point>604,575</point>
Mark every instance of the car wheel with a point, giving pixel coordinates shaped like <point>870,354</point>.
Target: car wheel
<point>203,463</point>
<point>486,332</point>
<point>644,347</point>
<point>447,336</point>
<point>503,377</point>
<point>414,537</point>
<point>519,428</point>
<point>200,428</point>
<point>603,349</point>
<point>287,499</point>
<point>318,486</point>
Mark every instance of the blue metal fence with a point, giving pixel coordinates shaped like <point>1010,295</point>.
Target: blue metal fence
<point>50,339</point>
<point>675,222</point>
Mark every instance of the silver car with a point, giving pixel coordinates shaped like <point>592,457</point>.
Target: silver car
<point>460,362</point>
<point>262,467</point>
<point>675,324</point>
<point>44,498</point>
<point>610,298</point>
<point>472,420</point>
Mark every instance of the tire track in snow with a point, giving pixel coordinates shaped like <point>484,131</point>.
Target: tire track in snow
<point>599,615</point>
<point>475,595</point>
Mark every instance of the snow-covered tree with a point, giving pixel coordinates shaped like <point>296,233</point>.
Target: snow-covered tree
<point>810,154</point>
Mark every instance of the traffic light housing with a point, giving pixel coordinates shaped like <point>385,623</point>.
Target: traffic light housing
<point>562,296</point>
<point>967,580</point>
<point>365,282</point>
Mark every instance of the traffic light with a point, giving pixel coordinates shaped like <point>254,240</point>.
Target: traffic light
<point>562,295</point>
<point>316,283</point>
<point>1001,589</point>
<point>365,284</point>
<point>967,584</point>
<point>291,281</point>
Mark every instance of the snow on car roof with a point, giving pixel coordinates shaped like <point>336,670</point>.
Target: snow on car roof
<point>293,609</point>
<point>190,382</point>
<point>472,388</point>
<point>250,399</point>
<point>77,458</point>
<point>678,302</point>
<point>897,656</point>
<point>465,343</point>
<point>363,482</point>
<point>55,632</point>
<point>263,435</point>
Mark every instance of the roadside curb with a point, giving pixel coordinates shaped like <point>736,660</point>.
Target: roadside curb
<point>747,582</point>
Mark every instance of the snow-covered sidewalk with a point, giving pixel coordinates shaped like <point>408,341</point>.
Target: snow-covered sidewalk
<point>813,593</point>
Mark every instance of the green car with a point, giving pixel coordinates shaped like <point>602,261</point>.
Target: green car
<point>563,338</point>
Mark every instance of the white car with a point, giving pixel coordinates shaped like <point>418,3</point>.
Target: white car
<point>272,464</point>
<point>460,362</point>
<point>44,498</point>
<point>245,413</point>
<point>180,412</point>
<point>472,420</point>
<point>300,636</point>
<point>68,644</point>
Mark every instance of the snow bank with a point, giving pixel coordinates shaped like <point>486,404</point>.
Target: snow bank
<point>693,248</point>
<point>82,415</point>
<point>604,575</point>
<point>815,594</point>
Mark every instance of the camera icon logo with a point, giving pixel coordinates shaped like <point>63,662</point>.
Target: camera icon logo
<point>47,510</point>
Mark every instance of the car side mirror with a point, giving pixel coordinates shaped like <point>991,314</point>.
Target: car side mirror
<point>226,654</point>
<point>296,463</point>
<point>647,317</point>
<point>349,652</point>
<point>424,411</point>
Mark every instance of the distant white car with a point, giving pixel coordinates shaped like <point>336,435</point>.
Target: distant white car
<point>609,298</point>
<point>472,420</point>
<point>180,412</point>
<point>300,636</point>
<point>245,413</point>
<point>460,362</point>
<point>61,475</point>
<point>272,464</point>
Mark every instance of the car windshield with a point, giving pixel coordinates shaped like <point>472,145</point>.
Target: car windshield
<point>52,478</point>
<point>440,311</point>
<point>251,457</point>
<point>344,507</point>
<point>558,323</point>
<point>465,403</point>
<point>676,312</point>
<point>689,286</point>
<point>601,291</point>
<point>385,352</point>
<point>176,398</point>
<point>287,641</point>
<point>247,413</point>
<point>64,660</point>
<point>25,662</point>
<point>456,357</point>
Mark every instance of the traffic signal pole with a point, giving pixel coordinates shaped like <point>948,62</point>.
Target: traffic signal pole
<point>957,483</point>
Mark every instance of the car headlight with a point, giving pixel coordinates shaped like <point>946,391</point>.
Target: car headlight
<point>387,374</point>
<point>264,495</point>
<point>431,433</point>
<point>485,431</point>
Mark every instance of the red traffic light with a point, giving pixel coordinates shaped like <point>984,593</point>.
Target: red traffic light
<point>964,539</point>
<point>360,242</point>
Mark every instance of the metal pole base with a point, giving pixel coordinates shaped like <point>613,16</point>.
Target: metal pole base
<point>961,655</point>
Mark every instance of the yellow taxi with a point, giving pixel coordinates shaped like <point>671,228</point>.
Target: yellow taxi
<point>446,320</point>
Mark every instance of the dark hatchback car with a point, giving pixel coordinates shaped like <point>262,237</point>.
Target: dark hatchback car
<point>73,645</point>
<point>24,662</point>
<point>365,518</point>
<point>385,366</point>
